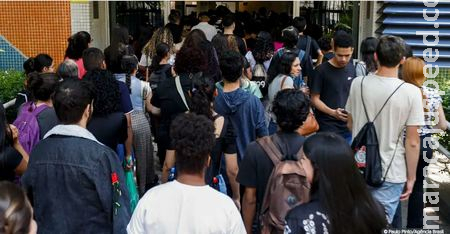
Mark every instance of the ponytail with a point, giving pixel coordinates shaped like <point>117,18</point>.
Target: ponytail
<point>128,81</point>
<point>203,89</point>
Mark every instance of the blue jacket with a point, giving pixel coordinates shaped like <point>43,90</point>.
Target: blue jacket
<point>246,112</point>
<point>69,182</point>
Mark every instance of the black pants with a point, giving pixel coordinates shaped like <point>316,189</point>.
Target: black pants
<point>415,203</point>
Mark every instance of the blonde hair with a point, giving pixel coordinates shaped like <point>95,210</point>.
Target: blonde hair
<point>412,71</point>
<point>160,35</point>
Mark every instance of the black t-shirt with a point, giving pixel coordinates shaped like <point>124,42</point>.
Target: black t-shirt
<point>110,130</point>
<point>314,47</point>
<point>167,99</point>
<point>306,217</point>
<point>47,119</point>
<point>333,85</point>
<point>256,167</point>
<point>225,144</point>
<point>9,161</point>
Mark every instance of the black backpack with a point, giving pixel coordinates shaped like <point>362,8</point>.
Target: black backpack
<point>366,148</point>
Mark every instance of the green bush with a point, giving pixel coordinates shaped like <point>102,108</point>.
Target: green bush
<point>444,85</point>
<point>11,82</point>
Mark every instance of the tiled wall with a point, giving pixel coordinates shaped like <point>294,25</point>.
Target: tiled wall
<point>80,17</point>
<point>35,27</point>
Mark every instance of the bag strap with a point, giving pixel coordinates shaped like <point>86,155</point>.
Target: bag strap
<point>38,109</point>
<point>282,82</point>
<point>270,148</point>
<point>308,46</point>
<point>180,91</point>
<point>382,107</point>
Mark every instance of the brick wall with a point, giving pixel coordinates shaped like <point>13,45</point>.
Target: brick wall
<point>36,27</point>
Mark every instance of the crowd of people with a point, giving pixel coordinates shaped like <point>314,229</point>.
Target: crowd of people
<point>253,132</point>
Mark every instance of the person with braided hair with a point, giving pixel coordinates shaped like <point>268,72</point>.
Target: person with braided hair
<point>140,95</point>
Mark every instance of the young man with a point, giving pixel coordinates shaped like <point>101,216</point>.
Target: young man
<point>291,107</point>
<point>209,30</point>
<point>305,41</point>
<point>404,108</point>
<point>188,205</point>
<point>76,184</point>
<point>331,86</point>
<point>243,108</point>
<point>94,59</point>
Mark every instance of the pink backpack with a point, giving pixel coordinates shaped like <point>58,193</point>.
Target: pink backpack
<point>28,126</point>
<point>287,187</point>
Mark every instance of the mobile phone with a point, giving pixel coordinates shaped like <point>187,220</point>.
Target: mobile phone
<point>345,112</point>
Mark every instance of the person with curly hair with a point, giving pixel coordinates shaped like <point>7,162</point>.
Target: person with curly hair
<point>78,42</point>
<point>16,213</point>
<point>94,60</point>
<point>196,41</point>
<point>188,203</point>
<point>108,122</point>
<point>161,35</point>
<point>291,108</point>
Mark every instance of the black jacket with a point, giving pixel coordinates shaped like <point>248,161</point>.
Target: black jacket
<point>69,181</point>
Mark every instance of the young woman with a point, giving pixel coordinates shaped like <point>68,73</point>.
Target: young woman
<point>263,51</point>
<point>16,213</point>
<point>13,158</point>
<point>140,94</point>
<point>161,35</point>
<point>340,202</point>
<point>78,42</point>
<point>412,72</point>
<point>367,64</point>
<point>289,68</point>
<point>41,86</point>
<point>160,65</point>
<point>41,63</point>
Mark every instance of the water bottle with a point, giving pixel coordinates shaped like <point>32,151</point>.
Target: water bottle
<point>172,174</point>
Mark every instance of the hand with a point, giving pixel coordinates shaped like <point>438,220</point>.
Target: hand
<point>128,164</point>
<point>237,202</point>
<point>14,133</point>
<point>305,90</point>
<point>407,190</point>
<point>340,114</point>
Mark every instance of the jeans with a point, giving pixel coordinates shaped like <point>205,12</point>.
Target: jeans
<point>348,137</point>
<point>389,196</point>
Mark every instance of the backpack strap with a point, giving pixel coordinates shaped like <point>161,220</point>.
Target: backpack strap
<point>382,107</point>
<point>37,110</point>
<point>282,82</point>
<point>180,91</point>
<point>270,148</point>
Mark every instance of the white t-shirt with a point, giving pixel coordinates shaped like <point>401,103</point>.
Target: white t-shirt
<point>209,30</point>
<point>405,108</point>
<point>179,208</point>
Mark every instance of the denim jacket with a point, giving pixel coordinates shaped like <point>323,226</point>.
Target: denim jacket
<point>69,183</point>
